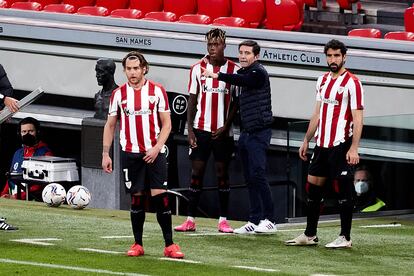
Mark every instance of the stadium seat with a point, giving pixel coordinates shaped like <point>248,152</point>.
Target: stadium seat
<point>400,36</point>
<point>10,2</point>
<point>409,19</point>
<point>60,8</point>
<point>353,5</point>
<point>30,6</point>
<point>161,16</point>
<point>44,3</point>
<point>214,8</point>
<point>126,13</point>
<point>180,7</point>
<point>112,4</point>
<point>146,6</point>
<point>252,11</point>
<point>283,15</point>
<point>79,3</point>
<point>195,19</point>
<point>373,33</point>
<point>92,10</point>
<point>3,4</point>
<point>230,22</point>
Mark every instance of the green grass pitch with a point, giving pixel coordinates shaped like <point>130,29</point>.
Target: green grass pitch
<point>376,250</point>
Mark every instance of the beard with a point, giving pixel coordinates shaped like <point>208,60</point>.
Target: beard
<point>335,67</point>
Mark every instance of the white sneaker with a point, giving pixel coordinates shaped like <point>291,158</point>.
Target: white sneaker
<point>340,242</point>
<point>248,228</point>
<point>266,226</point>
<point>302,239</point>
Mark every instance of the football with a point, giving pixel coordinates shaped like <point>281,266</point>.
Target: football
<point>54,195</point>
<point>78,197</point>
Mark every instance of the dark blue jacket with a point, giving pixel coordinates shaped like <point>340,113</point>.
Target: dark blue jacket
<point>255,96</point>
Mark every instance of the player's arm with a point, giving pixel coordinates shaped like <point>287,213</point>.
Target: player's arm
<point>224,130</point>
<point>352,155</point>
<point>108,137</point>
<point>152,153</point>
<point>11,103</point>
<point>191,112</point>
<point>310,133</point>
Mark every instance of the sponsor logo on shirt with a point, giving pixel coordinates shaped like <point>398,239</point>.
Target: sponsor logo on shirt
<point>207,89</point>
<point>330,101</point>
<point>137,112</point>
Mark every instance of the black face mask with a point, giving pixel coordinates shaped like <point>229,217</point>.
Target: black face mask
<point>29,140</point>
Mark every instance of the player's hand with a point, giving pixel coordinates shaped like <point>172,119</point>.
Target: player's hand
<point>352,156</point>
<point>208,73</point>
<point>12,104</point>
<point>218,133</point>
<point>151,155</point>
<point>303,150</point>
<point>106,163</point>
<point>192,140</point>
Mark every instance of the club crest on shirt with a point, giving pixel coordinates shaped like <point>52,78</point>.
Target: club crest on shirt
<point>341,90</point>
<point>152,99</point>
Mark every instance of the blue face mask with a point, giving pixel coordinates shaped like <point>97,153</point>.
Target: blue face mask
<point>361,187</point>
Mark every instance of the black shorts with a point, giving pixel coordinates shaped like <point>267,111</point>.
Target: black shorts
<point>331,162</point>
<point>222,147</point>
<point>138,175</point>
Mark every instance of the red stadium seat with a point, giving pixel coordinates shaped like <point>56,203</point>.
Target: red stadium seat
<point>214,8</point>
<point>252,11</point>
<point>161,16</point>
<point>3,4</point>
<point>60,8</point>
<point>349,4</point>
<point>283,15</point>
<point>409,19</point>
<point>146,6</point>
<point>230,22</point>
<point>92,10</point>
<point>46,2</point>
<point>126,13</point>
<point>30,6</point>
<point>195,19</point>
<point>10,2</point>
<point>79,3</point>
<point>373,33</point>
<point>180,7</point>
<point>112,4</point>
<point>400,36</point>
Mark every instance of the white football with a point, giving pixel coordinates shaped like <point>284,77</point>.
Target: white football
<point>78,197</point>
<point>53,195</point>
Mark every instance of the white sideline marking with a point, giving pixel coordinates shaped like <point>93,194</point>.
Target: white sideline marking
<point>209,234</point>
<point>100,251</point>
<point>381,225</point>
<point>179,260</point>
<point>38,241</point>
<point>322,274</point>
<point>76,268</point>
<point>256,268</point>
<point>116,237</point>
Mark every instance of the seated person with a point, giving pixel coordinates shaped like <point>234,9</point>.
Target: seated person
<point>28,131</point>
<point>365,199</point>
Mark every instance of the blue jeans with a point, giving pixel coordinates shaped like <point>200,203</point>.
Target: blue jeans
<point>252,149</point>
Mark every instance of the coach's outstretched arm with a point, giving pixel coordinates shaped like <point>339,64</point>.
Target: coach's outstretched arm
<point>108,137</point>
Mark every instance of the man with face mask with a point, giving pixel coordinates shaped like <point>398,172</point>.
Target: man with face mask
<point>365,200</point>
<point>28,131</point>
<point>336,125</point>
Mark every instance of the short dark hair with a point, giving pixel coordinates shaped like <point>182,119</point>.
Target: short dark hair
<point>366,170</point>
<point>335,44</point>
<point>107,64</point>
<point>251,43</point>
<point>217,34</point>
<point>135,54</point>
<point>31,121</point>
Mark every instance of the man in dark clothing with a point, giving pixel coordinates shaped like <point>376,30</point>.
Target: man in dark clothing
<point>256,119</point>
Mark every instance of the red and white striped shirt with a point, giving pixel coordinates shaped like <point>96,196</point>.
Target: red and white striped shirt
<point>213,96</point>
<point>338,98</point>
<point>138,112</point>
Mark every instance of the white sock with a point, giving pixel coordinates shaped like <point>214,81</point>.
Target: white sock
<point>221,219</point>
<point>191,219</point>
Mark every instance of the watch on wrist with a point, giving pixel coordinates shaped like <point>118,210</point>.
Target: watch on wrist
<point>2,97</point>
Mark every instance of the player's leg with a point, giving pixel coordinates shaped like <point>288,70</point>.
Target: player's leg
<point>223,150</point>
<point>133,174</point>
<point>199,157</point>
<point>157,173</point>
